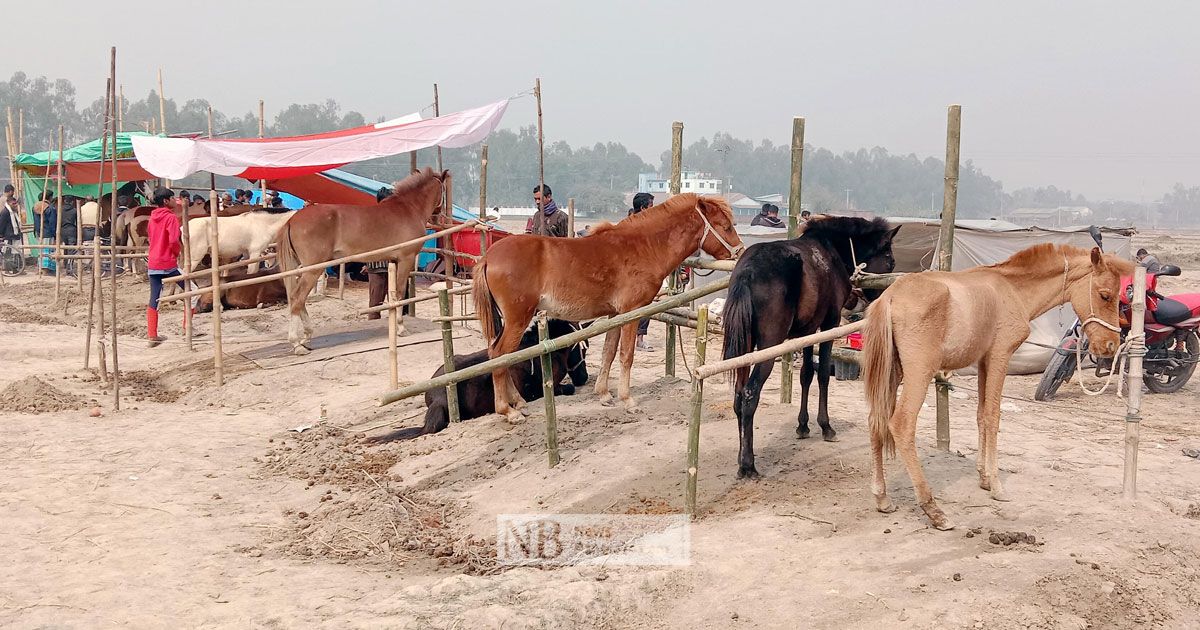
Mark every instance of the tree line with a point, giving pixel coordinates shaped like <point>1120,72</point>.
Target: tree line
<point>597,176</point>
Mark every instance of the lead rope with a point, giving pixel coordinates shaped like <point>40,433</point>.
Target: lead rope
<point>1132,343</point>
<point>858,267</point>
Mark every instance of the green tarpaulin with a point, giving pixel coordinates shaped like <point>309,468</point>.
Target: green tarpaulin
<point>86,152</point>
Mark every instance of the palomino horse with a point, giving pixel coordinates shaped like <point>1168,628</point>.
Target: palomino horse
<point>614,270</point>
<point>322,232</point>
<point>247,234</point>
<point>786,289</point>
<point>934,321</point>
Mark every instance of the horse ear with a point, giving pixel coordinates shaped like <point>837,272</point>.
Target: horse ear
<point>892,233</point>
<point>445,174</point>
<point>1097,259</point>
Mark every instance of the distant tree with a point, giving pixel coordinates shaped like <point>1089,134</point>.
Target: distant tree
<point>46,104</point>
<point>1181,205</point>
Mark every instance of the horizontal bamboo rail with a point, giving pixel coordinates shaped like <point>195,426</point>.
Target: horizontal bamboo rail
<point>90,257</point>
<point>864,281</point>
<point>106,248</point>
<point>599,327</point>
<point>451,252</point>
<point>454,318</point>
<point>412,300</point>
<point>767,354</point>
<point>226,267</point>
<point>321,265</point>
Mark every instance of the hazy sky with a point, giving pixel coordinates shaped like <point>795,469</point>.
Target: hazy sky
<point>1098,97</point>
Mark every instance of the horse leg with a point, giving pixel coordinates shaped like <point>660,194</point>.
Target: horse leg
<point>610,351</point>
<point>981,422</point>
<point>750,391</point>
<point>628,337</point>
<point>903,427</point>
<point>403,269</point>
<point>806,376</point>
<point>824,367</point>
<point>989,408</point>
<point>300,330</point>
<point>503,387</point>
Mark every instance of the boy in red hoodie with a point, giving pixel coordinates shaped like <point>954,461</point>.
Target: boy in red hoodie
<point>164,236</point>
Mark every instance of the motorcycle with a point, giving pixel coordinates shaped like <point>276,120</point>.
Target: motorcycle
<point>1172,341</point>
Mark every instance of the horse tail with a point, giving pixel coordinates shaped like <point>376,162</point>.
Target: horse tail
<point>485,306</point>
<point>737,319</point>
<point>881,375</point>
<point>287,257</point>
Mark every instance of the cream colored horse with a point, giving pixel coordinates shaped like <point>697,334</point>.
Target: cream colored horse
<point>246,235</point>
<point>934,321</point>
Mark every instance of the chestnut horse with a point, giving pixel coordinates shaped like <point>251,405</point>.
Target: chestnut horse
<point>934,321</point>
<point>322,232</point>
<point>615,269</point>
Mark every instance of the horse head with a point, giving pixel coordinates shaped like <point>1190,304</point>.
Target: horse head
<point>719,238</point>
<point>430,188</point>
<point>577,359</point>
<point>1096,300</point>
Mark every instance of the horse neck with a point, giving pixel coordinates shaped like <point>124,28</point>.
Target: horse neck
<point>429,195</point>
<point>1042,288</point>
<point>838,245</point>
<point>674,235</point>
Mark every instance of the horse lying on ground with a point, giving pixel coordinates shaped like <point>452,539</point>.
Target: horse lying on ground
<point>246,234</point>
<point>614,270</point>
<point>475,395</point>
<point>252,296</point>
<point>934,321</point>
<point>785,289</point>
<point>322,232</point>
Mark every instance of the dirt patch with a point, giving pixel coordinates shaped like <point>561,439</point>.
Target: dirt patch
<point>143,385</point>
<point>1012,538</point>
<point>33,395</point>
<point>18,315</point>
<point>368,519</point>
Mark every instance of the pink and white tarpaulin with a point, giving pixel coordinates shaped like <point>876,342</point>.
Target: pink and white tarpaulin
<point>278,158</point>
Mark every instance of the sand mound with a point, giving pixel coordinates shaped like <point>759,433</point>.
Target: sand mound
<point>33,395</point>
<point>18,315</point>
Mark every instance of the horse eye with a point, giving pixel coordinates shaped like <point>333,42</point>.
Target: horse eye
<point>1106,296</point>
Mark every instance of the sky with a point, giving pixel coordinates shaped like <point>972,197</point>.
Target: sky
<point>1097,97</point>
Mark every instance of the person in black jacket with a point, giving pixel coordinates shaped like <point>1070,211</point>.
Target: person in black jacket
<point>641,201</point>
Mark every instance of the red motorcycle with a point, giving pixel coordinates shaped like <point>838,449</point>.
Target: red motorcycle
<point>1172,344</point>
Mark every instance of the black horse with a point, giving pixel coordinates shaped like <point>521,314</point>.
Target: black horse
<point>475,396</point>
<point>785,289</point>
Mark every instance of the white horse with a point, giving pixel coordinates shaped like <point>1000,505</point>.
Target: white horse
<point>246,235</point>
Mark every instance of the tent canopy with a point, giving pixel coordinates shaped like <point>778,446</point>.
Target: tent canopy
<point>281,158</point>
<point>82,163</point>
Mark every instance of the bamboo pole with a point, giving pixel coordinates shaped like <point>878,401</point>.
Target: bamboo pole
<point>437,113</point>
<point>483,164</point>
<point>262,130</point>
<point>393,326</point>
<point>448,354</point>
<point>797,179</point>
<point>21,130</point>
<point>223,268</point>
<point>548,394</point>
<point>537,93</point>
<point>1133,402</point>
<point>767,354</point>
<point>321,265</point>
<point>58,251</point>
<point>693,457</point>
<point>599,327</point>
<point>676,186</point>
<point>946,251</point>
<point>97,289</point>
<point>116,371</point>
<point>121,111</point>
<point>412,161</point>
<point>187,264</point>
<point>213,236</point>
<point>342,281</point>
<point>162,112</point>
<point>570,217</point>
<point>410,308</point>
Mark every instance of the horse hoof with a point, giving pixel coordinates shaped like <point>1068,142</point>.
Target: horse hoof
<point>607,401</point>
<point>999,494</point>
<point>885,505</point>
<point>748,473</point>
<point>630,405</point>
<point>802,434</point>
<point>937,517</point>
<point>514,417</point>
<point>830,436</point>
<point>301,350</point>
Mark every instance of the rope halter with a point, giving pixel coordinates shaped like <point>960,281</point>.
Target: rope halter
<point>859,268</point>
<point>1132,343</point>
<point>734,252</point>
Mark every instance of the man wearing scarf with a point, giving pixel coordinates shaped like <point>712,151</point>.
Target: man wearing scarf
<point>550,221</point>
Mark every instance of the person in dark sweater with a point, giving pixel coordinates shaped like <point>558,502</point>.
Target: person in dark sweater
<point>550,221</point>
<point>641,201</point>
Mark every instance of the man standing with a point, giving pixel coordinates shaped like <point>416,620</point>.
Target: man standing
<point>1151,263</point>
<point>768,217</point>
<point>641,201</point>
<point>550,221</point>
<point>89,218</point>
<point>377,271</point>
<point>10,230</point>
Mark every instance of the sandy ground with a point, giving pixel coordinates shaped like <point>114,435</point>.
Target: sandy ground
<point>197,506</point>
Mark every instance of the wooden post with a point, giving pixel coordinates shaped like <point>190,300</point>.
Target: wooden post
<point>411,309</point>
<point>672,282</point>
<point>787,380</point>
<point>97,289</point>
<point>946,251</point>
<point>1133,402</point>
<point>548,394</point>
<point>187,268</point>
<point>693,457</point>
<point>437,113</point>
<point>112,264</point>
<point>537,93</point>
<point>121,111</point>
<point>342,281</point>
<point>162,112</point>
<point>262,130</point>
<point>58,252</point>
<point>412,161</point>
<point>213,238</point>
<point>393,325</point>
<point>570,217</point>
<point>483,164</point>
<point>448,353</point>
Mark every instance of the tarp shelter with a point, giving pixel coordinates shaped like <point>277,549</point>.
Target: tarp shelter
<point>982,242</point>
<point>280,158</point>
<point>291,202</point>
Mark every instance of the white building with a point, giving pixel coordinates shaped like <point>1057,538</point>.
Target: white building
<point>691,181</point>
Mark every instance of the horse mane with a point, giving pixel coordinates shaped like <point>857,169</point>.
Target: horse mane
<point>411,183</point>
<point>1045,256</point>
<point>269,210</point>
<point>829,227</point>
<point>661,212</point>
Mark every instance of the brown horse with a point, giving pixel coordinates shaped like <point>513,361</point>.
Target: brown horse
<point>614,270</point>
<point>323,232</point>
<point>934,321</point>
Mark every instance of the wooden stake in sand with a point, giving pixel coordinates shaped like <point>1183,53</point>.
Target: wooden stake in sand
<point>537,93</point>
<point>570,217</point>
<point>58,252</point>
<point>1137,350</point>
<point>116,371</point>
<point>437,113</point>
<point>785,371</point>
<point>548,395</point>
<point>448,354</point>
<point>676,187</point>
<point>393,327</point>
<point>213,235</point>
<point>946,252</point>
<point>693,441</point>
<point>262,130</point>
<point>97,288</point>
<point>162,112</point>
